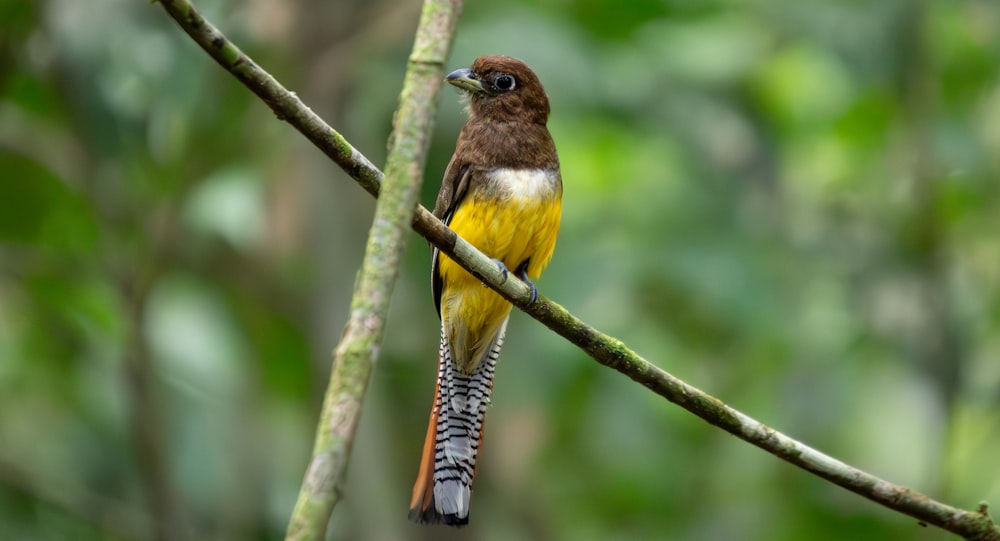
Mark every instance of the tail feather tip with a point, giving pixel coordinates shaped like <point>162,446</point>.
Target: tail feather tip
<point>430,516</point>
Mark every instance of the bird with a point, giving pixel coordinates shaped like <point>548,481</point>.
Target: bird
<point>501,192</point>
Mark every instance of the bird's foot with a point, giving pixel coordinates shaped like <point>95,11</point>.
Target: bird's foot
<point>522,273</point>
<point>503,270</point>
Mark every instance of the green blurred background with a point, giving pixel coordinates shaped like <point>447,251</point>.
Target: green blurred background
<point>792,205</point>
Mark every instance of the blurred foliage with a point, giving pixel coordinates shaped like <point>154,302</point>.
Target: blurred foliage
<point>793,205</point>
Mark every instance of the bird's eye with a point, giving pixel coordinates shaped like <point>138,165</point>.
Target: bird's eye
<point>503,82</point>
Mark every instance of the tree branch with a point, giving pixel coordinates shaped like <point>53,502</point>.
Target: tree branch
<point>286,105</point>
<point>357,351</point>
<point>973,525</point>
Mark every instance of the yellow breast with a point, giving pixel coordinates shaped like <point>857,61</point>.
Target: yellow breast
<point>511,215</point>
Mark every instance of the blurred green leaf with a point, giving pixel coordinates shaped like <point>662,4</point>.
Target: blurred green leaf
<point>36,207</point>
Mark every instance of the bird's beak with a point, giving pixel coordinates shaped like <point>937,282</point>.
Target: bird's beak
<point>466,80</point>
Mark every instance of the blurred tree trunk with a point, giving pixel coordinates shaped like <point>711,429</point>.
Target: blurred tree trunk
<point>934,343</point>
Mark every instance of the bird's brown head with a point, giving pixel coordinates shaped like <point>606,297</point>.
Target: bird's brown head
<point>501,88</point>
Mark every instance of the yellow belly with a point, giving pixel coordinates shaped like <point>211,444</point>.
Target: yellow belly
<point>516,225</point>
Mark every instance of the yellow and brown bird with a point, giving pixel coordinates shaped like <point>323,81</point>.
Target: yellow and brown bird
<point>501,192</point>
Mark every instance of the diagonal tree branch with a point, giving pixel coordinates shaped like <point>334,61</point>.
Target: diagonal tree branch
<point>285,104</point>
<point>973,525</point>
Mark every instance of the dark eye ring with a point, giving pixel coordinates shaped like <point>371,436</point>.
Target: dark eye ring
<point>504,82</point>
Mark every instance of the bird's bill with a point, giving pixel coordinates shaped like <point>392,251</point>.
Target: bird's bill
<point>466,80</point>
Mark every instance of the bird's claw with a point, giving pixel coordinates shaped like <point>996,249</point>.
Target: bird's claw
<point>522,273</point>
<point>503,270</point>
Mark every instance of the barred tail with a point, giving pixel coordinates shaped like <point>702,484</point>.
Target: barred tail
<point>448,466</point>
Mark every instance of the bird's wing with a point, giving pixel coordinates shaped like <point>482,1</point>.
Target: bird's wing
<point>453,187</point>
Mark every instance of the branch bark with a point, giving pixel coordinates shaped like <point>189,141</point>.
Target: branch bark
<point>973,525</point>
<point>357,351</point>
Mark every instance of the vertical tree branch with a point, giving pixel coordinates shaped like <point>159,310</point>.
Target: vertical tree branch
<point>355,356</point>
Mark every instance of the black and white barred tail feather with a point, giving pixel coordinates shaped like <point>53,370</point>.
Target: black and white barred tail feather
<point>448,466</point>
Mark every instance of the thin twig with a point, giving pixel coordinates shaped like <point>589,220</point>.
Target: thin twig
<point>974,525</point>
